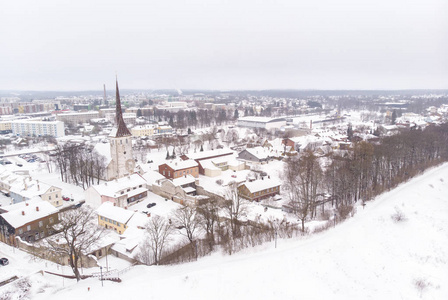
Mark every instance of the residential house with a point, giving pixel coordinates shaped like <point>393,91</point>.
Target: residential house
<point>219,156</point>
<point>257,154</point>
<point>179,168</point>
<point>27,188</point>
<point>122,192</point>
<point>30,220</point>
<point>113,217</point>
<point>259,189</point>
<point>181,190</point>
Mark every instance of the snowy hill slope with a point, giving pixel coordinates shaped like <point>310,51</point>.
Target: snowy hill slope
<point>370,256</point>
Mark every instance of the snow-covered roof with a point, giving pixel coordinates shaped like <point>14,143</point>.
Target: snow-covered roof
<point>261,119</point>
<point>110,188</point>
<point>29,188</point>
<point>108,210</point>
<point>152,176</point>
<point>259,152</point>
<point>24,214</point>
<point>261,185</point>
<point>211,153</point>
<point>189,189</point>
<point>182,164</point>
<point>187,179</point>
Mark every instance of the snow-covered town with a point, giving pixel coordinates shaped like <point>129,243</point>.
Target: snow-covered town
<point>111,192</point>
<point>226,150</point>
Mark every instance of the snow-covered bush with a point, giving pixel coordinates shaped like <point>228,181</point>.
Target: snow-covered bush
<point>398,216</point>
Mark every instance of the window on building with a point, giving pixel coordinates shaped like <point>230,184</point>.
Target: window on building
<point>128,190</point>
<point>20,231</point>
<point>140,186</point>
<point>56,195</point>
<point>28,228</point>
<point>51,220</point>
<point>41,223</point>
<point>49,197</point>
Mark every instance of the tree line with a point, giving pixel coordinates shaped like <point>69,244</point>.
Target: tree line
<point>363,172</point>
<point>79,165</point>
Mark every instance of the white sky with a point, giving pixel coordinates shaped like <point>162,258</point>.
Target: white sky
<point>218,44</point>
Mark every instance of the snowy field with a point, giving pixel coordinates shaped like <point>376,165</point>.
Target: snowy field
<point>369,256</point>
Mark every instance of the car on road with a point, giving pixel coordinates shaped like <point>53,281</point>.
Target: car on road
<point>4,261</point>
<point>151,205</point>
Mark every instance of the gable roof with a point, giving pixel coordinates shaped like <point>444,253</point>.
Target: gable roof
<point>259,152</point>
<point>181,164</point>
<point>108,210</point>
<point>261,185</point>
<point>111,188</point>
<point>36,209</point>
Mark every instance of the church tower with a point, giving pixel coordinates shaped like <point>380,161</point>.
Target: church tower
<point>120,140</point>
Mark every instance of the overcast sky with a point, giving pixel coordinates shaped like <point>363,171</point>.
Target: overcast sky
<point>217,44</point>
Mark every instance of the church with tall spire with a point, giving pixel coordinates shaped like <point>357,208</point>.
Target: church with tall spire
<point>120,139</point>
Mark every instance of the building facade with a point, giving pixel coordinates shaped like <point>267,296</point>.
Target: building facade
<point>38,128</point>
<point>176,169</point>
<point>259,189</point>
<point>31,221</point>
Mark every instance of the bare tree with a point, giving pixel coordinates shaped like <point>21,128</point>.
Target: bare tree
<point>188,220</point>
<point>303,176</point>
<point>79,233</point>
<point>158,232</point>
<point>209,217</point>
<point>235,206</point>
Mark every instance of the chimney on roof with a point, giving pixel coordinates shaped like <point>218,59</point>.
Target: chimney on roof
<point>26,204</point>
<point>38,186</point>
<point>23,213</point>
<point>37,208</point>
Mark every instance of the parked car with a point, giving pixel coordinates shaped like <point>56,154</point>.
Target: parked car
<point>150,205</point>
<point>65,198</point>
<point>4,261</point>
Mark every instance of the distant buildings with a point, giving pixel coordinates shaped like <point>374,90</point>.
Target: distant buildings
<point>261,122</point>
<point>77,118</point>
<point>35,128</point>
<point>144,130</point>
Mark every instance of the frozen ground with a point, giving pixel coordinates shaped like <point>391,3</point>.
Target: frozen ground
<point>369,256</point>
